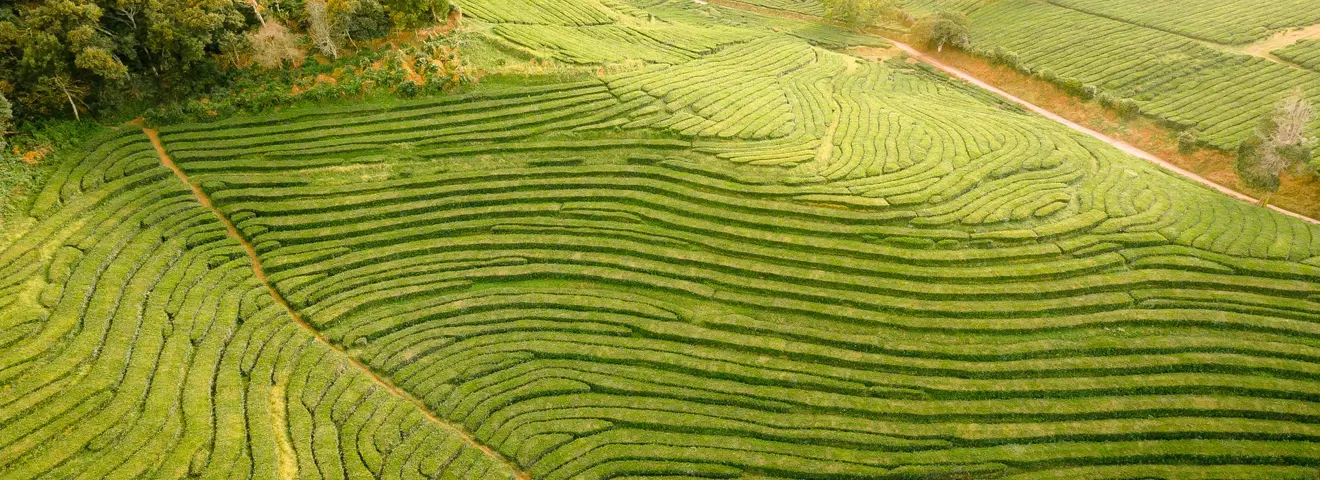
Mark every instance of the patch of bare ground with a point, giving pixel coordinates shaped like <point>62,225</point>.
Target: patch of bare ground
<point>1280,40</point>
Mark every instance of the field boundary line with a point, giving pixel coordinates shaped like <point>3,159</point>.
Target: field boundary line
<point>202,198</point>
<point>969,78</point>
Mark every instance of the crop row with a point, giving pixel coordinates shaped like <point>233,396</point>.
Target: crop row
<point>602,302</point>
<point>1171,77</point>
<point>1305,52</point>
<point>1230,22</point>
<point>616,43</point>
<point>145,347</point>
<point>540,12</point>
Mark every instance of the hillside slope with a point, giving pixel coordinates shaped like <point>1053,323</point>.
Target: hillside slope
<point>765,260</point>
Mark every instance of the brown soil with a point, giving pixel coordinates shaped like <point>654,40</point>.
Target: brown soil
<point>260,274</point>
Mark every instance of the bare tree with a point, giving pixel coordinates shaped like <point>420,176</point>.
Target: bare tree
<point>69,89</point>
<point>1279,142</point>
<point>318,26</point>
<point>256,7</point>
<point>272,44</point>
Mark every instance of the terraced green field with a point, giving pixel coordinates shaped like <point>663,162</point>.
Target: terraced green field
<point>1305,53</point>
<point>1229,22</point>
<point>767,261</point>
<point>1172,77</point>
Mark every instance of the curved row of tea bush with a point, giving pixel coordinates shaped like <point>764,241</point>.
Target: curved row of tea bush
<point>770,261</point>
<point>1172,78</point>
<point>137,343</point>
<point>1305,52</point>
<point>952,288</point>
<point>1230,22</point>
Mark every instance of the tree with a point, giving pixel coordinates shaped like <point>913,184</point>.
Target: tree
<point>858,13</point>
<point>1187,140</point>
<point>318,28</point>
<point>945,27</point>
<point>358,19</point>
<point>76,55</point>
<point>272,45</point>
<point>1279,142</point>
<point>59,53</point>
<point>415,13</point>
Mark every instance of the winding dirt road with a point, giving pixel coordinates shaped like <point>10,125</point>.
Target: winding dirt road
<point>967,77</point>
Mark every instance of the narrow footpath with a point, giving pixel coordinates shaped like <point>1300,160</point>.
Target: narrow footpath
<point>456,429</point>
<point>964,76</point>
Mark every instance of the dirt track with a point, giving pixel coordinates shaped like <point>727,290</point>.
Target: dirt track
<point>1121,145</point>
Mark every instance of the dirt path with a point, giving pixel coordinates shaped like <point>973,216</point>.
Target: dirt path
<point>1280,40</point>
<point>1121,145</point>
<point>257,270</point>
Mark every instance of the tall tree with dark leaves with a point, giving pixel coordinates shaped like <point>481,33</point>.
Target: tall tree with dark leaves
<point>71,55</point>
<point>60,54</point>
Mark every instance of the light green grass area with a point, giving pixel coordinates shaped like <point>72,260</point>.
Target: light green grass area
<point>769,261</point>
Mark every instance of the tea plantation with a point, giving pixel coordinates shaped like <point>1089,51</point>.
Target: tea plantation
<point>1305,53</point>
<point>750,257</point>
<point>1170,64</point>
<point>1229,22</point>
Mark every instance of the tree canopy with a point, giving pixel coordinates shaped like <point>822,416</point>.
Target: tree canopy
<point>858,13</point>
<point>64,58</point>
<point>945,27</point>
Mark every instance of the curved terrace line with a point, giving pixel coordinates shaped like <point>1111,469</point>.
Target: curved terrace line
<point>969,78</point>
<point>257,270</point>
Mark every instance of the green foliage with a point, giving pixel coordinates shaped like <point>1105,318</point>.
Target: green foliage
<point>858,13</point>
<point>1187,140</point>
<point>415,13</point>
<point>1128,108</point>
<point>944,27</point>
<point>356,76</point>
<point>1090,92</point>
<point>1279,143</point>
<point>1250,167</point>
<point>67,57</point>
<point>6,123</point>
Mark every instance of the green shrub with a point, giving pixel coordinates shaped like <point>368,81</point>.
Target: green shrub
<point>1089,92</point>
<point>1128,108</point>
<point>1047,75</point>
<point>406,89</point>
<point>1187,141</point>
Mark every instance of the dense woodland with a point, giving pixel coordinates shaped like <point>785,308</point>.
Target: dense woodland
<point>69,58</point>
